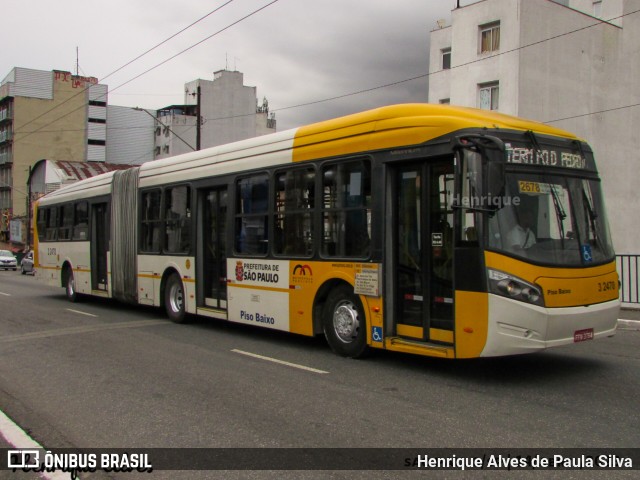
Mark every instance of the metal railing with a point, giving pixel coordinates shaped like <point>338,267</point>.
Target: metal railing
<point>628,270</point>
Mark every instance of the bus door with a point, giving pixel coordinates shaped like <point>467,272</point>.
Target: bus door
<point>212,256</point>
<point>424,251</point>
<point>99,245</point>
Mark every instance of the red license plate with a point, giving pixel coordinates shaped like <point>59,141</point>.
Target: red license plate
<point>582,335</point>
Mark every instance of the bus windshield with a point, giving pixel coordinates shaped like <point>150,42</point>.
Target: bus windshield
<point>552,219</point>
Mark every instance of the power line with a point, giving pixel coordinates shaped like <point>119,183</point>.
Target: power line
<point>593,113</point>
<point>196,44</point>
<point>130,62</point>
<point>152,68</point>
<point>425,75</point>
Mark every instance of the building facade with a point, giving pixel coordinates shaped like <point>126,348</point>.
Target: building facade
<point>129,135</point>
<point>229,111</point>
<point>45,114</point>
<point>572,64</point>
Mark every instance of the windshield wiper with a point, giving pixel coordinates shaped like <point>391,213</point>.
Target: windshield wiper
<point>561,215</point>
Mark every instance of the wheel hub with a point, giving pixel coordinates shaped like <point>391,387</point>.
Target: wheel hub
<point>346,322</point>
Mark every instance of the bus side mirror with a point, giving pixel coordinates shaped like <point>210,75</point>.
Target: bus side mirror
<point>495,179</point>
<point>493,153</point>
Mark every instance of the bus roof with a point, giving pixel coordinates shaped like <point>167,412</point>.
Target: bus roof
<point>411,124</point>
<point>385,127</point>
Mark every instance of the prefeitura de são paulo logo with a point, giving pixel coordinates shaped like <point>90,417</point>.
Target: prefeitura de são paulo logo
<point>239,271</point>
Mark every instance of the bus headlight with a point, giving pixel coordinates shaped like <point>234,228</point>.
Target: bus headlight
<point>509,286</point>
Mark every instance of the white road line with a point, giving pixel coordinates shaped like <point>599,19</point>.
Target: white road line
<point>5,294</point>
<point>81,329</point>
<point>81,313</point>
<point>281,362</point>
<point>17,437</point>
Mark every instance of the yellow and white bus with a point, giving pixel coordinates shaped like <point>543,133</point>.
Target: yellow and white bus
<point>428,229</point>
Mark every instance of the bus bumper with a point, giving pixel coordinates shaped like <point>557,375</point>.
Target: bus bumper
<point>517,327</point>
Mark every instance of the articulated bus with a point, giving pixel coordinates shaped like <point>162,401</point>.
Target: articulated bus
<point>428,229</point>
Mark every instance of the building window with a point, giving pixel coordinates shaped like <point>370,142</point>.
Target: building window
<point>597,9</point>
<point>446,58</point>
<point>488,94</point>
<point>490,37</point>
<point>445,101</point>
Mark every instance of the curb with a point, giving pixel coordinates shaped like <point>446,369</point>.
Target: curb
<point>633,324</point>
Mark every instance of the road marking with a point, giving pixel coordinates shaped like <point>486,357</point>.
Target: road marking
<point>18,438</point>
<point>281,362</point>
<point>81,313</point>
<point>81,329</point>
<point>5,294</point>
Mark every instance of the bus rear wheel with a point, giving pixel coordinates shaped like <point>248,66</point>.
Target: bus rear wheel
<point>344,323</point>
<point>70,287</point>
<point>174,299</point>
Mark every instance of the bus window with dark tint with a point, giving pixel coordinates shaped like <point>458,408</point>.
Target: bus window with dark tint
<point>66,222</point>
<point>346,204</point>
<point>294,201</point>
<point>150,221</point>
<point>41,223</point>
<point>81,222</point>
<point>52,224</point>
<point>252,204</point>
<point>177,216</point>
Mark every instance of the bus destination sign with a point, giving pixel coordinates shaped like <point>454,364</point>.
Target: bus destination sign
<point>549,157</point>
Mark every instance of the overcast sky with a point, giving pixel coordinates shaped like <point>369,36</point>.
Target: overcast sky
<point>293,51</point>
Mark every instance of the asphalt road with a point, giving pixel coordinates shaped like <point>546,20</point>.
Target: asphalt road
<point>99,374</point>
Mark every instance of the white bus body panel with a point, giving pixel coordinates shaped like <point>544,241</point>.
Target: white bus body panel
<point>518,327</point>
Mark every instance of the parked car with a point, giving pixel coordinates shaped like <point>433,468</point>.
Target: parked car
<point>26,265</point>
<point>8,260</point>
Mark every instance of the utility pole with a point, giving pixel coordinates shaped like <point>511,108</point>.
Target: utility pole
<point>198,119</point>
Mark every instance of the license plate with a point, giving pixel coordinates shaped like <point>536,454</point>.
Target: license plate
<point>582,335</point>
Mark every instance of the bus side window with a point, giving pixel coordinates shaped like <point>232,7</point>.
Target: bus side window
<point>251,210</point>
<point>295,202</point>
<point>177,216</point>
<point>41,223</point>
<point>52,224</point>
<point>66,222</point>
<point>81,221</point>
<point>346,204</point>
<point>150,221</point>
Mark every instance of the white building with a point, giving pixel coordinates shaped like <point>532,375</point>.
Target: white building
<point>229,112</point>
<point>129,138</point>
<point>573,64</point>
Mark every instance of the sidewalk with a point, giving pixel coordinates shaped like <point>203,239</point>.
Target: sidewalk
<point>629,317</point>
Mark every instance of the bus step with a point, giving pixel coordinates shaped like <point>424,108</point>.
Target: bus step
<point>398,344</point>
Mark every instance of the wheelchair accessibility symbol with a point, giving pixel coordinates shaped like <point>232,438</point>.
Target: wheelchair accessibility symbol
<point>376,334</point>
<point>586,253</point>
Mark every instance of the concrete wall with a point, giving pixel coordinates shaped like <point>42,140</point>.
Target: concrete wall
<point>130,135</point>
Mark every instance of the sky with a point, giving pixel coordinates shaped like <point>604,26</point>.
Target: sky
<point>295,52</point>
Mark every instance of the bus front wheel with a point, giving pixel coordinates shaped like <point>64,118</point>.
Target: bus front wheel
<point>174,299</point>
<point>344,323</point>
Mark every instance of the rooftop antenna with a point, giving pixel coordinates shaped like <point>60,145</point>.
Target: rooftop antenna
<point>226,61</point>
<point>77,63</point>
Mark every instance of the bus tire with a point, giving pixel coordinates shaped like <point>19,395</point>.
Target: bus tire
<point>174,299</point>
<point>70,286</point>
<point>344,323</point>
